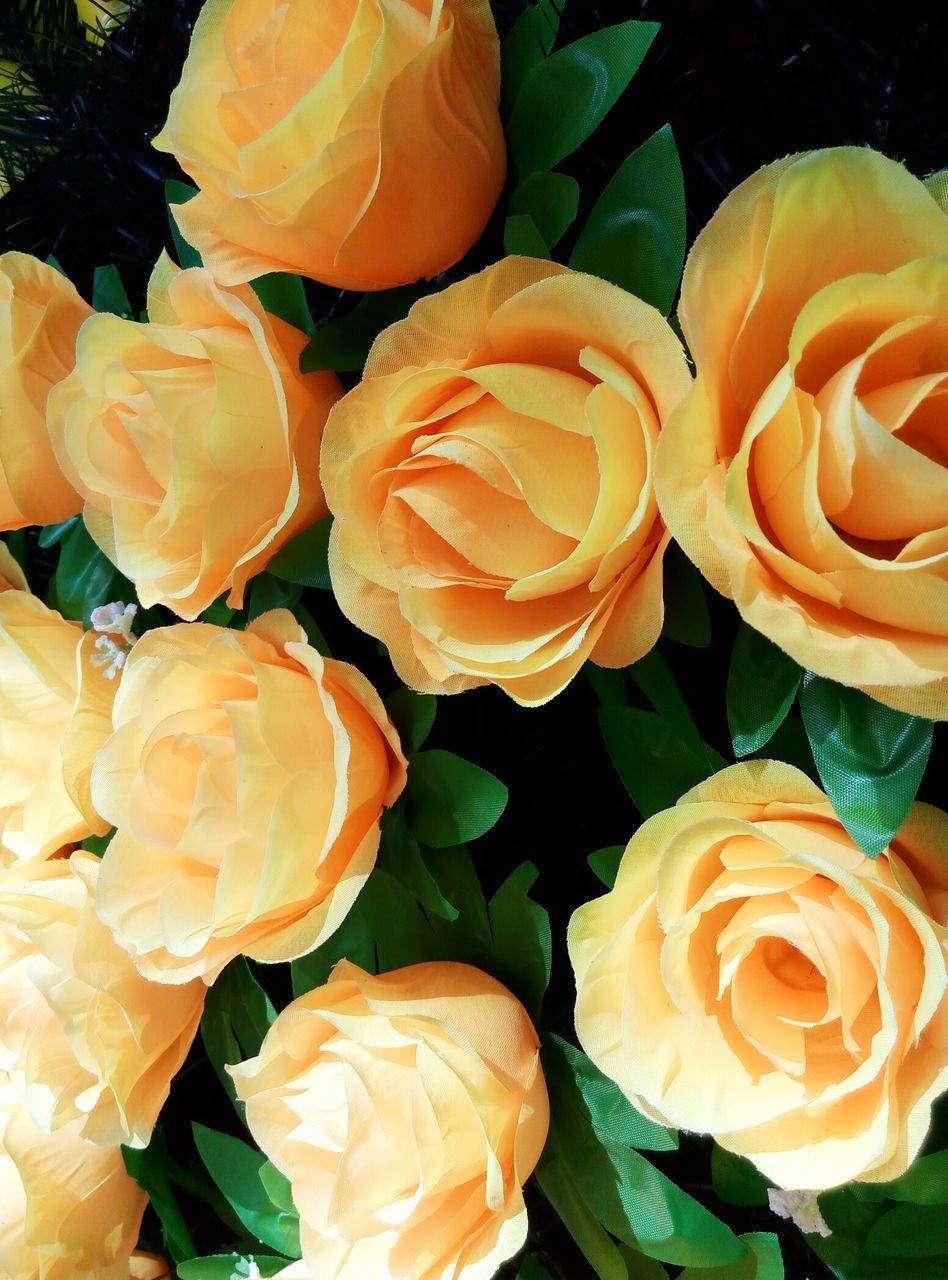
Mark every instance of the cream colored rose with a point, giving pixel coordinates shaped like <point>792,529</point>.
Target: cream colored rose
<point>40,316</point>
<point>193,439</point>
<point>753,975</point>
<point>83,1036</point>
<point>246,777</point>
<point>406,1110</point>
<point>68,1209</point>
<point>55,706</point>
<point>805,474</point>
<point>491,481</point>
<point>357,142</point>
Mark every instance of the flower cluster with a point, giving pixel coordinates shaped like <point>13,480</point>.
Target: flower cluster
<point>503,483</point>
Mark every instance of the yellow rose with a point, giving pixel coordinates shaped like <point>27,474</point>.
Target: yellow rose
<point>805,473</point>
<point>68,1209</point>
<point>753,975</point>
<point>491,479</point>
<point>246,777</point>
<point>83,1035</point>
<point>407,1111</point>
<point>55,707</point>
<point>358,143</point>
<point>40,316</point>
<point>193,439</point>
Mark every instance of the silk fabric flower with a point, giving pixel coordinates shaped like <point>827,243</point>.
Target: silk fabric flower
<point>83,1036</point>
<point>193,439</point>
<point>805,473</point>
<point>40,316</point>
<point>246,776</point>
<point>753,975</point>
<point>491,481</point>
<point>354,141</point>
<point>68,1209</point>
<point>406,1110</point>
<point>55,708</point>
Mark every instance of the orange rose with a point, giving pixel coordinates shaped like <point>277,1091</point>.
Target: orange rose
<point>40,315</point>
<point>68,1209</point>
<point>357,143</point>
<point>491,479</point>
<point>407,1111</point>
<point>246,777</point>
<point>805,473</point>
<point>193,439</point>
<point>55,706</point>
<point>83,1035</point>
<point>753,975</point>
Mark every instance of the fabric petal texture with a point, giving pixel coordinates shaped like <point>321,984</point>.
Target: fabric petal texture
<point>491,481</point>
<point>406,1110</point>
<point>805,471</point>
<point>319,135</point>
<point>246,776</point>
<point>753,975</point>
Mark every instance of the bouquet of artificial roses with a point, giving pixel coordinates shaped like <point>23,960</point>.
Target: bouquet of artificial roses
<point>263,1008</point>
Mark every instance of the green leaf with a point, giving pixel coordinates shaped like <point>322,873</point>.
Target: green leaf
<point>630,1197</point>
<point>413,715</point>
<point>791,744</point>
<point>219,613</point>
<point>354,939</point>
<point>687,620</point>
<point>522,236</point>
<point>237,1015</point>
<point>148,1167</point>
<point>870,758</point>
<point>305,558</point>
<point>761,685</point>
<point>225,1266</point>
<point>523,942</point>
<point>566,96</point>
<point>911,1231</point>
<point>605,863</point>
<point>97,844</point>
<point>925,1182</point>
<point>449,800</point>
<point>267,592</point>
<point>611,1113</point>
<point>343,344</point>
<point>278,1187</point>
<point>531,1268</point>
<point>313,634</point>
<point>763,1261</point>
<point>557,1183</point>
<point>550,200</point>
<point>641,1267</point>
<point>528,42</point>
<point>653,677</point>
<point>50,534</point>
<point>402,858</point>
<point>736,1180</point>
<point>235,1167</point>
<point>108,292</point>
<point>655,765</point>
<point>283,295</point>
<point>635,234</point>
<point>181,193</point>
<point>608,684</point>
<point>85,578</point>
